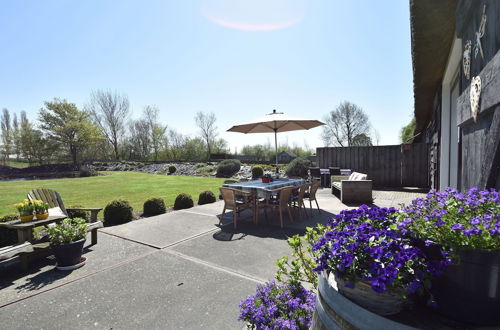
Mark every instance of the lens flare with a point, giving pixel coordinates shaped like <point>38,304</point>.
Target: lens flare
<point>254,15</point>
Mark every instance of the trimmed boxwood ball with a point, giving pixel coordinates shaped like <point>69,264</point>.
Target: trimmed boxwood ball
<point>257,172</point>
<point>227,168</point>
<point>154,206</point>
<point>183,201</point>
<point>172,169</point>
<point>298,167</point>
<point>118,212</point>
<point>78,213</point>
<point>206,197</point>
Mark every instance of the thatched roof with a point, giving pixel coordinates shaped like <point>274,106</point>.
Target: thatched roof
<point>432,34</point>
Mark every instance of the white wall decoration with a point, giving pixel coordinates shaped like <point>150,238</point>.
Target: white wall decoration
<point>475,94</point>
<point>466,58</point>
<point>479,34</point>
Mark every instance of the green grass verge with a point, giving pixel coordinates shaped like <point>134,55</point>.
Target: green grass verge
<point>97,191</point>
<point>17,164</point>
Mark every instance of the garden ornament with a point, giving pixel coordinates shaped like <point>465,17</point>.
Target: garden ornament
<point>480,34</point>
<point>475,94</point>
<point>466,58</point>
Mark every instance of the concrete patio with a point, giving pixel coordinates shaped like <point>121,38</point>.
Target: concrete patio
<point>179,270</point>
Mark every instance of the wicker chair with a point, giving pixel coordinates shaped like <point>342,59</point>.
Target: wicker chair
<point>281,202</point>
<point>298,199</point>
<point>237,201</point>
<point>311,195</point>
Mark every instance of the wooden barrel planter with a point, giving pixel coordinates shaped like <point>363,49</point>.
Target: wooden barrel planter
<point>334,311</point>
<point>470,291</point>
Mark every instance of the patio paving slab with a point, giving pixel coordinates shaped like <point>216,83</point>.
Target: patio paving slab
<point>250,250</point>
<point>163,230</point>
<point>109,252</point>
<point>159,291</point>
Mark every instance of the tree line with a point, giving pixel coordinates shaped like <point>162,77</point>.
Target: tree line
<point>103,130</point>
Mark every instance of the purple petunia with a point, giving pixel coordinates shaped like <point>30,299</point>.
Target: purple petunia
<point>368,244</point>
<point>278,306</point>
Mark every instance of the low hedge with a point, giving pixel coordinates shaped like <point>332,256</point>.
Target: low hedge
<point>118,212</point>
<point>206,197</point>
<point>227,168</point>
<point>154,206</point>
<point>183,201</point>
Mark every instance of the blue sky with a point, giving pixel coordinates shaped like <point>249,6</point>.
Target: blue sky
<point>237,58</point>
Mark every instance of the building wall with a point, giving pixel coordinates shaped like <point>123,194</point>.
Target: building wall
<point>480,137</point>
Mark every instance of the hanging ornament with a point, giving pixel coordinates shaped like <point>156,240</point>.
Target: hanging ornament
<point>475,94</point>
<point>466,58</point>
<point>479,34</point>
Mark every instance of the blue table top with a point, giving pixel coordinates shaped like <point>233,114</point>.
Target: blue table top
<point>262,189</point>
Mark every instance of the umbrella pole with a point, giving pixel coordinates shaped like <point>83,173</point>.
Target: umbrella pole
<point>276,147</point>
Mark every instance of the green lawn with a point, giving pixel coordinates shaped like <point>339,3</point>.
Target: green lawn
<point>97,191</point>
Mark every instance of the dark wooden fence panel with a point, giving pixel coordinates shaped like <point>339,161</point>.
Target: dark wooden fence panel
<point>387,166</point>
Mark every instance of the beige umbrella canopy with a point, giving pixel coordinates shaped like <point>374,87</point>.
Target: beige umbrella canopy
<point>276,122</point>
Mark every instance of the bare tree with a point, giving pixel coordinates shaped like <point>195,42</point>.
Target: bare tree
<point>6,130</point>
<point>156,129</point>
<point>343,124</point>
<point>177,141</point>
<point>139,139</point>
<point>110,111</point>
<point>208,130</point>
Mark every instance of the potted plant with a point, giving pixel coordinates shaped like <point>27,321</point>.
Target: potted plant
<point>41,209</point>
<point>374,265</point>
<point>463,228</point>
<point>66,240</point>
<point>266,178</point>
<point>25,210</point>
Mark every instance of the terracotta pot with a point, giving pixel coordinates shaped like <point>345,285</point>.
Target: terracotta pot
<point>27,217</point>
<point>42,216</point>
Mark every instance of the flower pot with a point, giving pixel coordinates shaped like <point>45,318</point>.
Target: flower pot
<point>27,217</point>
<point>42,216</point>
<point>68,254</point>
<point>470,291</point>
<point>389,302</point>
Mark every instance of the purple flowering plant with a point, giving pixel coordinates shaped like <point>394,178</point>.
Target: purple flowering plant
<point>455,221</point>
<point>278,306</point>
<point>365,244</point>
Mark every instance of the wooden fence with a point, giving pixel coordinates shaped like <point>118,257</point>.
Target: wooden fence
<point>387,166</point>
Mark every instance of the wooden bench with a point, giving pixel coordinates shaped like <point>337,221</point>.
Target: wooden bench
<point>356,189</point>
<point>8,252</point>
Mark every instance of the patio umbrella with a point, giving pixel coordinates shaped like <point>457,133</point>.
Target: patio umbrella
<point>276,122</point>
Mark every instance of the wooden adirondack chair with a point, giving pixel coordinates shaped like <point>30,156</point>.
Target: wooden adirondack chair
<point>57,208</point>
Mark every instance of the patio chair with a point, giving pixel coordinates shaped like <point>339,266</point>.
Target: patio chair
<point>311,195</point>
<point>298,198</point>
<point>237,201</point>
<point>315,173</point>
<point>53,198</point>
<point>281,202</point>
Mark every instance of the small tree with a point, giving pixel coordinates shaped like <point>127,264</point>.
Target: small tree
<point>361,140</point>
<point>345,123</point>
<point>70,127</point>
<point>407,132</point>
<point>156,129</point>
<point>208,130</point>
